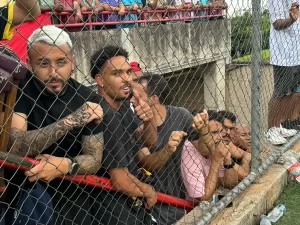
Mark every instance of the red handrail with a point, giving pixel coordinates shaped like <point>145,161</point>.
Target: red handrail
<point>145,17</point>
<point>12,161</point>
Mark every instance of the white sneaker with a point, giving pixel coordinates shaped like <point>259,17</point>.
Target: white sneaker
<point>286,133</point>
<point>273,135</point>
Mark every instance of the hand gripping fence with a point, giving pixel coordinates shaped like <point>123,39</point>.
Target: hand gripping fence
<point>12,161</point>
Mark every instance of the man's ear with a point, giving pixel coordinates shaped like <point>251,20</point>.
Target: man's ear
<point>99,80</point>
<point>73,61</point>
<point>28,63</point>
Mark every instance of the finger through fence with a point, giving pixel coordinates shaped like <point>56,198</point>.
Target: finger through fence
<point>139,112</point>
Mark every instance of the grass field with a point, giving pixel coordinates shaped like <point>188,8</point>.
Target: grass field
<point>265,57</point>
<point>291,198</point>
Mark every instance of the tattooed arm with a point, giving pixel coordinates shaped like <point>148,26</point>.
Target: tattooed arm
<point>31,143</point>
<point>51,167</point>
<point>92,148</point>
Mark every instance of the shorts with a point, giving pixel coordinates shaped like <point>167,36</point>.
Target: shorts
<point>286,80</point>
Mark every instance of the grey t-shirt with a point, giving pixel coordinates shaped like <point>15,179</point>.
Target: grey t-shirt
<point>168,179</point>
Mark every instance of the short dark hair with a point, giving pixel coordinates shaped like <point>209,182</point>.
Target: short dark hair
<point>99,58</point>
<point>228,115</point>
<point>157,85</point>
<point>214,115</point>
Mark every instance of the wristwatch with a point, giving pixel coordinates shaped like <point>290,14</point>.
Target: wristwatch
<point>74,167</point>
<point>231,165</point>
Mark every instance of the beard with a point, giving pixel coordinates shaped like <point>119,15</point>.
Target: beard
<point>42,86</point>
<point>124,99</point>
<point>120,99</point>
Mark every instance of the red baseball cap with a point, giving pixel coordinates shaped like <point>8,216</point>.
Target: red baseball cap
<point>136,67</point>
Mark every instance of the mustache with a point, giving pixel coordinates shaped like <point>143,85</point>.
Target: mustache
<point>126,85</point>
<point>51,80</point>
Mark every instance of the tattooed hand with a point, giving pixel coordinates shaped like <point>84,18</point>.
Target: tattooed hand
<point>95,111</point>
<point>84,115</point>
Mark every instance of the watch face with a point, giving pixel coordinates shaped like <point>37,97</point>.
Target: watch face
<point>74,169</point>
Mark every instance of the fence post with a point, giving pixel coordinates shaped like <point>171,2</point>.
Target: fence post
<point>255,84</point>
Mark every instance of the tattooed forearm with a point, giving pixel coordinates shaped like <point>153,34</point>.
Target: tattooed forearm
<point>32,143</point>
<point>90,160</point>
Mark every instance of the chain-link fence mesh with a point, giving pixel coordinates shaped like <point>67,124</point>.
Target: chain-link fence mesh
<point>141,112</point>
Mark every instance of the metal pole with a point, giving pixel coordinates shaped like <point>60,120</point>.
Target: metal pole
<point>255,83</point>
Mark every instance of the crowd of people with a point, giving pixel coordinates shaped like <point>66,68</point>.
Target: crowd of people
<point>128,131</point>
<point>118,9</point>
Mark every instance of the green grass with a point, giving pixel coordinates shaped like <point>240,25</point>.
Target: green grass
<point>265,57</point>
<point>291,198</point>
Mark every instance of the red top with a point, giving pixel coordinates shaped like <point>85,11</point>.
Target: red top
<point>136,67</point>
<point>22,32</point>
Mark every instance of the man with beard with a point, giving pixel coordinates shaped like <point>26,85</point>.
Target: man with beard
<point>171,123</point>
<point>243,158</point>
<point>202,169</point>
<point>113,74</point>
<point>55,121</point>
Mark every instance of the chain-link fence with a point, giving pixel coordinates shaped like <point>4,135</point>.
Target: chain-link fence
<point>141,112</point>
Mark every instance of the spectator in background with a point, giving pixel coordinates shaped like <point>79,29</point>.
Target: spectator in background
<point>202,169</point>
<point>131,5</point>
<point>244,158</point>
<point>112,6</point>
<point>16,13</point>
<point>154,5</point>
<point>93,6</point>
<point>72,6</point>
<point>158,4</point>
<point>242,137</point>
<point>113,74</point>
<point>284,107</point>
<point>51,6</point>
<point>137,71</point>
<point>163,159</point>
<point>175,5</point>
<point>18,42</point>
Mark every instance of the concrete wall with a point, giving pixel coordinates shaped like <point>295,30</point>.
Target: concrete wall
<point>165,49</point>
<point>238,92</point>
<point>200,87</point>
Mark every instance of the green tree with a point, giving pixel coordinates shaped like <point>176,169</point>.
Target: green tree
<point>241,36</point>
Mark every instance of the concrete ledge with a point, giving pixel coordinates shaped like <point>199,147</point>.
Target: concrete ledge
<point>252,203</point>
<point>256,200</point>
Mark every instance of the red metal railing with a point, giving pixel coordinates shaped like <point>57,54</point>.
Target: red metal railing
<point>146,17</point>
<point>12,161</point>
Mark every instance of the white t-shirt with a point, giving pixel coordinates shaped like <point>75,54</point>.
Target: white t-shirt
<point>284,44</point>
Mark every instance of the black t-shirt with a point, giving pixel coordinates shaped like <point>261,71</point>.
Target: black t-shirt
<point>168,178</point>
<point>120,151</point>
<point>43,110</point>
<point>120,146</point>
